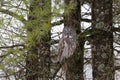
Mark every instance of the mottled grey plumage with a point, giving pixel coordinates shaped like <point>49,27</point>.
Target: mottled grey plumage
<point>67,43</point>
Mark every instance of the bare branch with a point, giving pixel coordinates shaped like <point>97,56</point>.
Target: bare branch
<point>19,17</point>
<point>17,45</point>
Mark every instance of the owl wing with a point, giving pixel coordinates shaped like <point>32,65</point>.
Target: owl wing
<point>60,49</point>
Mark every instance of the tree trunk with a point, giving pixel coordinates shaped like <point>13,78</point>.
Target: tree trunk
<point>75,64</point>
<point>38,29</point>
<point>102,40</point>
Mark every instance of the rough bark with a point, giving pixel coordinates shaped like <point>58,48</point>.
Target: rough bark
<point>102,41</point>
<point>38,56</point>
<point>75,64</point>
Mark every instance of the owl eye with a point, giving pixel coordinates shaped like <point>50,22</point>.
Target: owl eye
<point>70,36</point>
<point>65,36</point>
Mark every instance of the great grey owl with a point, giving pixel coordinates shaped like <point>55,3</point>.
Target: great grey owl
<point>67,43</point>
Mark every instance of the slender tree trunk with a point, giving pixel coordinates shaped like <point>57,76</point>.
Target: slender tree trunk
<point>75,64</point>
<point>38,28</point>
<point>102,43</point>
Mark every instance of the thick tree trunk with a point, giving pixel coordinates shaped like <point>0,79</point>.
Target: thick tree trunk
<point>75,64</point>
<point>102,43</point>
<point>38,57</point>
